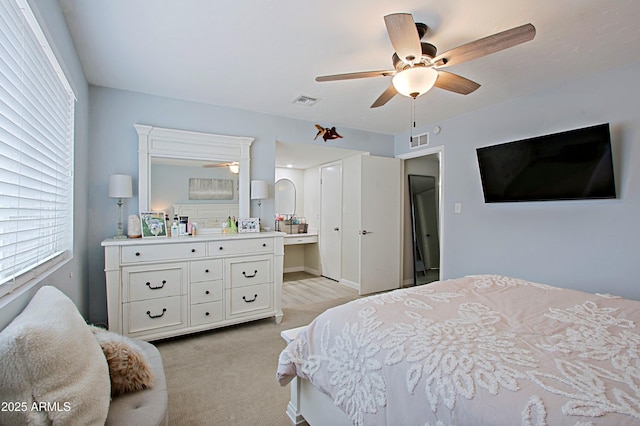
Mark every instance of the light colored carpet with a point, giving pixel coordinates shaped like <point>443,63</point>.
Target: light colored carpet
<point>228,376</point>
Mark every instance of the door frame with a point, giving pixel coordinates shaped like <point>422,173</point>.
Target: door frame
<point>423,153</point>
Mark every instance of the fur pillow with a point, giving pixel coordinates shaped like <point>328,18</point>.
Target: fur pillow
<point>51,367</point>
<point>128,367</point>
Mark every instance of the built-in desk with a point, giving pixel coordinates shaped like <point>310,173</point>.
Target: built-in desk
<point>301,253</point>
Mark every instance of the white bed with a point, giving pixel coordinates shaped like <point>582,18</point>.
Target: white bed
<point>477,350</point>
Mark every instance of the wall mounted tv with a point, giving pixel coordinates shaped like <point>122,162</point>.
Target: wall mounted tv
<point>571,165</point>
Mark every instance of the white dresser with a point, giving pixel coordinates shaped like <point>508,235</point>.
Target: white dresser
<point>165,287</point>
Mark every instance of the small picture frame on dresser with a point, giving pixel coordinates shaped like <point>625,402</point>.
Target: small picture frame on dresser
<point>154,224</point>
<point>251,224</point>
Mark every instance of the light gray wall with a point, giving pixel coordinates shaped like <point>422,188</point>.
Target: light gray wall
<point>114,149</point>
<point>588,245</point>
<point>72,278</point>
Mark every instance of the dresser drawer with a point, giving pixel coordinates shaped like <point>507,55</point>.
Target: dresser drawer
<point>250,272</point>
<point>244,300</point>
<point>207,291</point>
<point>249,245</point>
<point>206,313</point>
<point>156,252</point>
<point>205,270</point>
<point>142,283</point>
<point>155,313</point>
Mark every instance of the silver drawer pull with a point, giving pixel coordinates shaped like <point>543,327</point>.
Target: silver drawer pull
<point>156,287</point>
<point>255,272</point>
<point>156,316</point>
<point>255,296</point>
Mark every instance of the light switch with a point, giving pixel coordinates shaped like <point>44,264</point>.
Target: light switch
<point>457,207</point>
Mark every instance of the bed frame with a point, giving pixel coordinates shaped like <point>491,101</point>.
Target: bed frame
<point>308,405</point>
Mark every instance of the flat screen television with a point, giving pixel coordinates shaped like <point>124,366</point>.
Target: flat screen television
<point>571,165</point>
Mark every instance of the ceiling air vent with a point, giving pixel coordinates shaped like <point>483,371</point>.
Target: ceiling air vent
<point>419,140</point>
<point>305,100</point>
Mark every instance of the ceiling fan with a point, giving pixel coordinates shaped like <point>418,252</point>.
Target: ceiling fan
<point>417,67</point>
<point>234,167</point>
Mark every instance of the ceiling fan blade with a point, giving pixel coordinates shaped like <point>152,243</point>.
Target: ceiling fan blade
<point>385,97</point>
<point>486,46</point>
<point>404,36</point>
<point>354,75</point>
<point>455,83</point>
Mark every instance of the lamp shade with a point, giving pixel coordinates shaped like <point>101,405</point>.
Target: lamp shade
<point>415,81</point>
<point>120,186</point>
<point>259,190</point>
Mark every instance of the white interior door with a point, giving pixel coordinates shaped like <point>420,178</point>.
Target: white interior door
<point>330,240</point>
<point>381,225</point>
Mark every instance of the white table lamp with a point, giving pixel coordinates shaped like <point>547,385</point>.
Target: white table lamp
<point>259,191</point>
<point>120,187</point>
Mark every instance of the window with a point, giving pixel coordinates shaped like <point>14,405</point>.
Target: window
<point>36,151</point>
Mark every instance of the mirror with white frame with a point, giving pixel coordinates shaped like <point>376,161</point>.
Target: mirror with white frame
<point>158,145</point>
<point>285,197</point>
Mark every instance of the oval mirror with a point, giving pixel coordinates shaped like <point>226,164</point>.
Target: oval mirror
<point>285,197</point>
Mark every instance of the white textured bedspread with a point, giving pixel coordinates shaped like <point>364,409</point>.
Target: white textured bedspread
<point>485,350</point>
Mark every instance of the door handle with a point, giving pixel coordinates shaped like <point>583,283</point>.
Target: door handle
<point>336,229</point>
<point>364,232</point>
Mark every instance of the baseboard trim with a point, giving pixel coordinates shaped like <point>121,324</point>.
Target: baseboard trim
<point>350,284</point>
<point>301,269</point>
<point>312,271</point>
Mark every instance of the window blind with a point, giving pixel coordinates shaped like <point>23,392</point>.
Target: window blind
<point>36,151</point>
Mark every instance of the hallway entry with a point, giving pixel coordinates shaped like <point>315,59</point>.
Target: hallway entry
<point>422,247</point>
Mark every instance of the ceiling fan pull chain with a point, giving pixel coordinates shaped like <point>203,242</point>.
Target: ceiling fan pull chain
<point>413,119</point>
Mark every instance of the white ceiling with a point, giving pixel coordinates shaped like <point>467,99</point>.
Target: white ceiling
<point>259,56</point>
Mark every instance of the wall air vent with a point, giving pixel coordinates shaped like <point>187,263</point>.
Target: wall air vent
<point>305,100</point>
<point>419,140</point>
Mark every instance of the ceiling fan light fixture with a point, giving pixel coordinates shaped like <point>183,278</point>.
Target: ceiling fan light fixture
<point>415,81</point>
<point>234,168</point>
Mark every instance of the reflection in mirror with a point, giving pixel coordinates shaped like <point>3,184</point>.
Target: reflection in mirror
<point>424,226</point>
<point>182,181</point>
<point>157,142</point>
<point>285,197</point>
